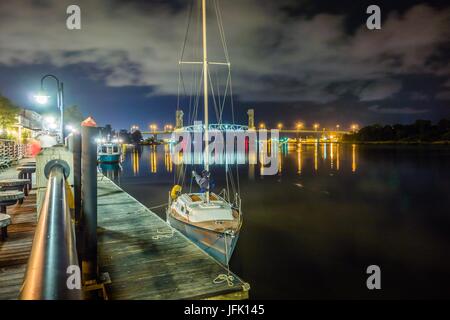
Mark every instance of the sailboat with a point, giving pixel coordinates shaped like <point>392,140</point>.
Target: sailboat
<point>210,220</point>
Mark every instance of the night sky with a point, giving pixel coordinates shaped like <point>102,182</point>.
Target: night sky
<point>313,61</point>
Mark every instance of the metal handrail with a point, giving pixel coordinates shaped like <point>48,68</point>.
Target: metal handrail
<point>53,255</point>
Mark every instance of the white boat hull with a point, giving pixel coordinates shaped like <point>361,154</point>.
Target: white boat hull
<point>212,242</point>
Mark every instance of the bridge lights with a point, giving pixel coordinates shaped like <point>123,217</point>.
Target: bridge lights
<point>316,126</point>
<point>280,126</point>
<point>299,125</point>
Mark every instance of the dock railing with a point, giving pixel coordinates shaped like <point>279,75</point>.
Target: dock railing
<point>53,271</point>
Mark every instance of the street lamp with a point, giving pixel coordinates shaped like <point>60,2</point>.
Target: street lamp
<point>43,98</point>
<point>280,126</point>
<point>316,126</point>
<point>153,127</point>
<point>262,126</point>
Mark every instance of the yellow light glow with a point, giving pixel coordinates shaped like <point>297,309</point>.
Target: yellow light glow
<point>353,157</point>
<point>316,153</point>
<point>299,158</point>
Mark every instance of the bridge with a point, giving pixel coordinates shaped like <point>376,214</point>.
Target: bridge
<point>237,127</point>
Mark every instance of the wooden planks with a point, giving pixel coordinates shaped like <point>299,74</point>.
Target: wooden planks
<point>146,259</point>
<point>14,252</point>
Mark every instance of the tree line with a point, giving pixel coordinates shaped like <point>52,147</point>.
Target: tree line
<point>419,131</point>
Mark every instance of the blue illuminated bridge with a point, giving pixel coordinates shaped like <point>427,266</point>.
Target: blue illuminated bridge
<point>201,127</point>
<point>238,127</point>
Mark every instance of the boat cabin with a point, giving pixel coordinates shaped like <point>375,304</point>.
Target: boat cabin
<point>193,206</point>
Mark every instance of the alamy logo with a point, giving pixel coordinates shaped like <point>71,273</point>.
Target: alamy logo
<point>374,20</point>
<point>73,22</point>
<point>227,147</point>
<point>374,280</point>
<point>74,278</point>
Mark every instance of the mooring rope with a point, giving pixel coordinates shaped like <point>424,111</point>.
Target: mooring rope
<point>225,277</point>
<point>159,206</point>
<point>163,234</point>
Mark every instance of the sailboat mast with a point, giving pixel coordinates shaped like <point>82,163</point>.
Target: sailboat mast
<point>205,92</point>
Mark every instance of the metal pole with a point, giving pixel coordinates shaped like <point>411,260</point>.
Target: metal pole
<point>74,145</point>
<point>205,92</point>
<point>89,197</point>
<point>53,255</point>
<point>61,101</point>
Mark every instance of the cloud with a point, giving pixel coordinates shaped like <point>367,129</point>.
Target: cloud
<point>418,96</point>
<point>406,110</point>
<point>379,90</point>
<point>443,95</point>
<point>274,56</point>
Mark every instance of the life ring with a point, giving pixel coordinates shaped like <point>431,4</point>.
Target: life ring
<point>175,192</point>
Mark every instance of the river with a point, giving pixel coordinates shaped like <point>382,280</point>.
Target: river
<point>332,210</point>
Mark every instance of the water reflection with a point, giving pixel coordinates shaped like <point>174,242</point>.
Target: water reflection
<point>135,156</point>
<point>168,158</point>
<point>153,162</point>
<point>314,157</point>
<point>336,208</point>
<point>337,156</point>
<point>111,170</point>
<point>331,155</point>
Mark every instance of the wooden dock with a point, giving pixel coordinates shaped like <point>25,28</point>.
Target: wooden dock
<point>14,252</point>
<point>146,259</point>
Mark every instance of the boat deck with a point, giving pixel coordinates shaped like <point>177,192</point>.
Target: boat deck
<point>146,259</point>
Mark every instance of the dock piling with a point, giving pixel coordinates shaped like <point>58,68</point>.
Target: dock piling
<point>89,202</point>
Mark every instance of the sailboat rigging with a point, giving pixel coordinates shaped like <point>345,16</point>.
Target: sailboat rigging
<point>210,220</point>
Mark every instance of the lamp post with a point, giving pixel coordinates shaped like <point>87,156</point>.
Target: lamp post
<point>354,127</point>
<point>43,99</point>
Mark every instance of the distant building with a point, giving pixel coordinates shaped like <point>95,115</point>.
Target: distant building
<point>28,125</point>
<point>125,136</point>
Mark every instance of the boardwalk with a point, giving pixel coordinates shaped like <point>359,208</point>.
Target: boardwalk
<point>143,263</point>
<point>14,252</point>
